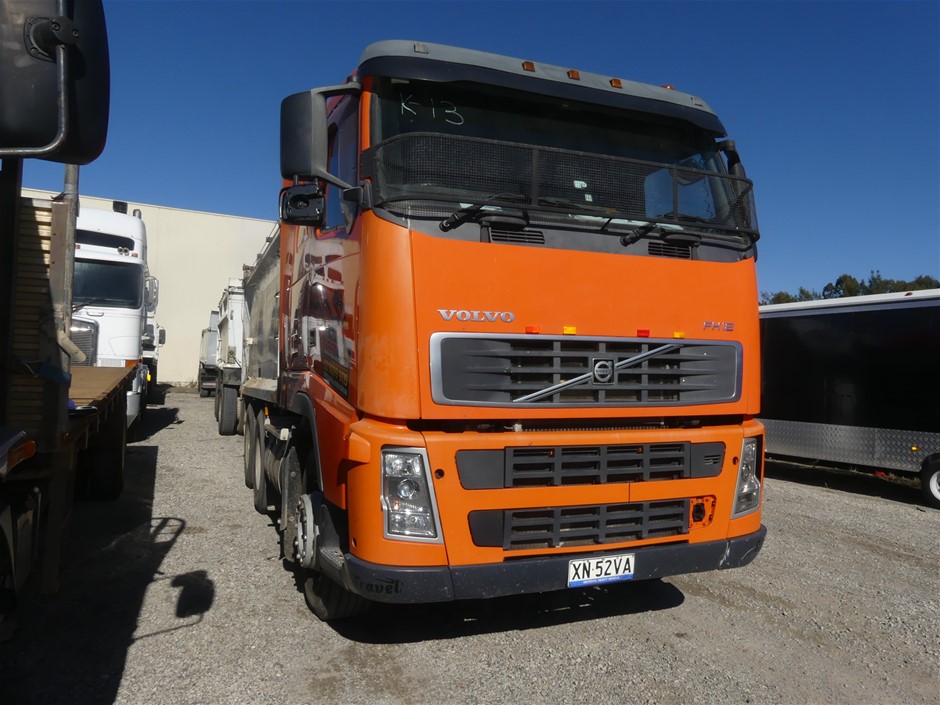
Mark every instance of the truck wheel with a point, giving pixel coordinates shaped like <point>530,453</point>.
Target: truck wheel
<point>249,446</point>
<point>226,400</point>
<point>331,601</point>
<point>260,479</point>
<point>930,482</point>
<point>218,400</point>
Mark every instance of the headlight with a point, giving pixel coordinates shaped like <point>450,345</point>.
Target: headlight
<point>408,501</point>
<point>747,493</point>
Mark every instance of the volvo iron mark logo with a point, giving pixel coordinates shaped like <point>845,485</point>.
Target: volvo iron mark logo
<point>603,371</point>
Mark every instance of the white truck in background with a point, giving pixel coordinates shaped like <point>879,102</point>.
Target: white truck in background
<point>229,367</point>
<point>109,305</point>
<point>208,356</point>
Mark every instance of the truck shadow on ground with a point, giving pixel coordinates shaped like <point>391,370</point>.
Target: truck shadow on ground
<point>156,418</point>
<point>72,647</point>
<point>402,624</point>
<point>905,489</point>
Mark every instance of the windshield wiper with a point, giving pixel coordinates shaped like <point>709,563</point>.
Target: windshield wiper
<point>478,212</point>
<point>93,301</point>
<point>660,230</point>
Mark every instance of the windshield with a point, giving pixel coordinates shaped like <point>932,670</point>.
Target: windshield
<point>436,142</point>
<point>113,284</point>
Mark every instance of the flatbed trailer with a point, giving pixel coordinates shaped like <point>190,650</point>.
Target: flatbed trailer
<point>72,419</point>
<point>854,382</point>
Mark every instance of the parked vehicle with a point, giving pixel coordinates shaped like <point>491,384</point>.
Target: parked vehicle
<point>109,296</point>
<point>854,381</point>
<point>59,427</point>
<point>229,366</point>
<point>506,338</point>
<point>206,377</point>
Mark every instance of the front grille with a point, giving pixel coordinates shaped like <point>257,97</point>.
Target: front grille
<point>560,527</point>
<point>85,335</point>
<point>537,371</point>
<point>560,466</point>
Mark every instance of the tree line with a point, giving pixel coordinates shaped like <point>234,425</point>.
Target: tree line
<point>847,285</point>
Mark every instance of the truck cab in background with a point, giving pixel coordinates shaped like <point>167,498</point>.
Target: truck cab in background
<point>109,305</point>
<point>208,356</point>
<point>229,367</point>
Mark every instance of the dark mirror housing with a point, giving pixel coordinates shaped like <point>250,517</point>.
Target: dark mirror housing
<point>304,144</point>
<point>302,204</point>
<point>161,336</point>
<point>54,80</point>
<point>735,167</point>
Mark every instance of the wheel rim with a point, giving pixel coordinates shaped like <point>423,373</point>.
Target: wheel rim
<point>305,544</point>
<point>933,484</point>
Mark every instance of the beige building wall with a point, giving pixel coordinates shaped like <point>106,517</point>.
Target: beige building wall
<point>193,254</point>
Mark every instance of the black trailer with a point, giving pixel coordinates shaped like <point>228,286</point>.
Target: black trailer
<point>855,382</point>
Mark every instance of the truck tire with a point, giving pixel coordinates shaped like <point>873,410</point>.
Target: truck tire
<point>215,406</point>
<point>930,482</point>
<point>260,479</point>
<point>227,401</point>
<point>331,601</point>
<point>249,446</point>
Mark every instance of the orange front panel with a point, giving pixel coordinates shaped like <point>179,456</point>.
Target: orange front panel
<point>561,292</point>
<point>455,502</point>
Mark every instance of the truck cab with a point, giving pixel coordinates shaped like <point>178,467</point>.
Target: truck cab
<point>108,299</point>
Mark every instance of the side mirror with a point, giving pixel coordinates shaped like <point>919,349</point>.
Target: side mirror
<point>304,141</point>
<point>302,205</point>
<point>54,80</point>
<point>152,290</point>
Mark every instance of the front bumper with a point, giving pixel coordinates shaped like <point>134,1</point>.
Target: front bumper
<point>383,583</point>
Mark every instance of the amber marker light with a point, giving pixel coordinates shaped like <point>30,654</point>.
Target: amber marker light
<point>678,335</point>
<point>570,330</point>
<point>616,83</point>
<point>528,66</point>
<point>574,75</point>
<point>668,86</point>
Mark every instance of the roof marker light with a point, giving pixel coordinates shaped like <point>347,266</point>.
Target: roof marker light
<point>570,330</point>
<point>616,83</point>
<point>678,335</point>
<point>421,48</point>
<point>668,86</point>
<point>528,66</point>
<point>574,75</point>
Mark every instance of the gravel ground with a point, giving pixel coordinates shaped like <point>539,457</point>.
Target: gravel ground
<point>176,594</point>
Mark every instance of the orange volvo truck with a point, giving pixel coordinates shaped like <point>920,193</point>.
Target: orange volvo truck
<point>505,339</point>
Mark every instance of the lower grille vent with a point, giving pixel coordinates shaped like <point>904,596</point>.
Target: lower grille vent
<point>560,527</point>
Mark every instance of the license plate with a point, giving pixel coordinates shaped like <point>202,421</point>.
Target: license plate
<point>602,569</point>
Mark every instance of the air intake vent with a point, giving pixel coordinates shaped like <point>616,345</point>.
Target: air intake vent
<point>661,249</point>
<point>518,237</point>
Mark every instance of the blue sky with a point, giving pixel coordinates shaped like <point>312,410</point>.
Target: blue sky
<point>835,106</point>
